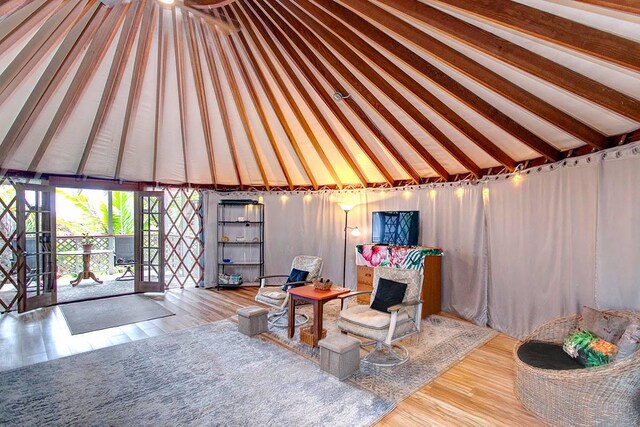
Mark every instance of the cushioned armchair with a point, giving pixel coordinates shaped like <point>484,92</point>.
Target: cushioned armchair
<point>384,329</point>
<point>278,298</point>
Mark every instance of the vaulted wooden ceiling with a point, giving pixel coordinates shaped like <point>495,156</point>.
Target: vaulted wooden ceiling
<point>312,93</point>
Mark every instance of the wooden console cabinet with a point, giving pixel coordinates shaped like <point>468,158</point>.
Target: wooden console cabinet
<point>431,284</point>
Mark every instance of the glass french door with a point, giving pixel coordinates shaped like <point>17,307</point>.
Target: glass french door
<point>149,241</point>
<point>36,253</point>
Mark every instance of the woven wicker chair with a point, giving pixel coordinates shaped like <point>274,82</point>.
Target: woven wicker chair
<point>607,395</point>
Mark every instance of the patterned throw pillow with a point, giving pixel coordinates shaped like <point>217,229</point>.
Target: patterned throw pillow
<point>607,326</point>
<point>630,341</point>
<point>588,349</point>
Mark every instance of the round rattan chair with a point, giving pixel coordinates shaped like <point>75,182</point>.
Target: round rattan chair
<point>607,395</point>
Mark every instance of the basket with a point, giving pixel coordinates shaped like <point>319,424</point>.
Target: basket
<point>306,335</point>
<point>322,286</point>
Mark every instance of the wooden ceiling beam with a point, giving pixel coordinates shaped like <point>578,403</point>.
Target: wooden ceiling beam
<point>396,73</point>
<point>314,40</point>
<point>125,41</point>
<point>447,83</point>
<point>161,80</point>
<point>519,57</point>
<point>222,107</point>
<point>237,98</point>
<point>288,21</point>
<point>630,6</point>
<point>97,50</point>
<point>474,71</point>
<point>196,68</point>
<point>555,29</point>
<point>274,103</point>
<point>318,89</point>
<point>66,54</point>
<point>137,78</point>
<point>260,108</point>
<point>37,48</point>
<point>22,19</point>
<point>290,99</point>
<point>179,61</point>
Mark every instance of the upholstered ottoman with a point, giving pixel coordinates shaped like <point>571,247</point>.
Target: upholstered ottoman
<point>339,355</point>
<point>252,320</point>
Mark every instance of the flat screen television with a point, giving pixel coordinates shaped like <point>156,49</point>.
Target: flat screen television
<point>395,228</point>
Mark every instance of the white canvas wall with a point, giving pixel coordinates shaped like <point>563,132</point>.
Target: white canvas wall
<point>517,253</point>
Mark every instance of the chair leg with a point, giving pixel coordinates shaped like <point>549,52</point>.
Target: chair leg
<point>387,356</point>
<point>278,319</point>
<point>127,275</point>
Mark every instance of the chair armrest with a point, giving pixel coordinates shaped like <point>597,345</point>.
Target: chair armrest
<point>353,294</point>
<point>273,275</point>
<point>298,283</point>
<point>403,304</point>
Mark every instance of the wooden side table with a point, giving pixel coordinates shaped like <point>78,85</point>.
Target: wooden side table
<point>316,298</point>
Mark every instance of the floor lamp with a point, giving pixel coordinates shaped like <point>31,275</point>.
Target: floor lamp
<point>354,232</point>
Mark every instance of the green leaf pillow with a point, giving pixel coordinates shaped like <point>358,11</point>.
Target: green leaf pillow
<point>588,349</point>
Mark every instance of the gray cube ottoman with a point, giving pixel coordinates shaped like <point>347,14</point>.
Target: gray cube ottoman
<point>340,355</point>
<point>252,320</point>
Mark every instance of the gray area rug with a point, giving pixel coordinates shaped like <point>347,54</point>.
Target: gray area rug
<point>210,375</point>
<point>87,316</point>
<point>442,342</point>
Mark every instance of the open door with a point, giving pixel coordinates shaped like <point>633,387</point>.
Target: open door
<point>149,241</point>
<point>36,248</point>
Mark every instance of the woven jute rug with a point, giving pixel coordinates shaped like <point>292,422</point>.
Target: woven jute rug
<point>442,342</point>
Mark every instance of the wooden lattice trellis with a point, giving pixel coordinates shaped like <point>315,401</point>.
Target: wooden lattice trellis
<point>68,264</point>
<point>8,249</point>
<point>184,245</point>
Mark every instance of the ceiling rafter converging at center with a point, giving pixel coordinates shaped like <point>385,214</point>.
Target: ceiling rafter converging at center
<point>311,94</point>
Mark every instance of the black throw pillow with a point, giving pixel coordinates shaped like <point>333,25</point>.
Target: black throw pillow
<point>389,293</point>
<point>295,276</point>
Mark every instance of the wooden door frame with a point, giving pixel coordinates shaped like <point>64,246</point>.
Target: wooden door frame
<point>46,298</point>
<point>140,285</point>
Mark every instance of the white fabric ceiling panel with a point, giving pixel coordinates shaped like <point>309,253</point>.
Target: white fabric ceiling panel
<point>140,136</point>
<point>177,148</point>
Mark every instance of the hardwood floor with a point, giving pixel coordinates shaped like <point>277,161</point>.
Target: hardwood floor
<point>478,391</point>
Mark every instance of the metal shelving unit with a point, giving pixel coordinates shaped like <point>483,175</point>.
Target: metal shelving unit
<point>240,239</point>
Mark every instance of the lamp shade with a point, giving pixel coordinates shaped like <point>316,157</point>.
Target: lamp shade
<point>355,232</point>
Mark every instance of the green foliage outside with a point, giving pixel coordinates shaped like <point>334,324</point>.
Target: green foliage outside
<point>91,213</point>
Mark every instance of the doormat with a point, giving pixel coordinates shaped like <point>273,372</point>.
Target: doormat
<point>106,313</point>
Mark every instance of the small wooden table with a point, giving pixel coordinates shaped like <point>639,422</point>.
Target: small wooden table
<point>316,298</point>
<point>86,272</point>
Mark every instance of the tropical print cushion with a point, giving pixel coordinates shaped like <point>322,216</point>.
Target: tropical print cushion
<point>588,349</point>
<point>404,257</point>
<point>607,326</point>
<point>630,341</point>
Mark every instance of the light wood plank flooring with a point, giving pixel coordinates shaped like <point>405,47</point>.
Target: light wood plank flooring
<point>478,391</point>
